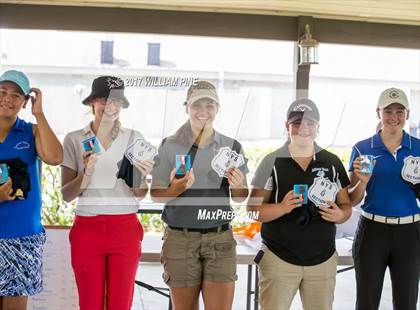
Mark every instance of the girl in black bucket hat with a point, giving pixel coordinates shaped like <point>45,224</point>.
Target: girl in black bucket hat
<point>106,236</point>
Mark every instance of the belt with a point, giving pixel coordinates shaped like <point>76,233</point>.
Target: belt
<point>394,220</point>
<point>219,228</point>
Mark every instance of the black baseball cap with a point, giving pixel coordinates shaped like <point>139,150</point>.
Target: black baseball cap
<point>107,87</point>
<point>303,109</point>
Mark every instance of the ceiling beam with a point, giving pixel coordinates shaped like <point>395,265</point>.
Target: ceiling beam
<point>204,24</point>
<point>405,12</point>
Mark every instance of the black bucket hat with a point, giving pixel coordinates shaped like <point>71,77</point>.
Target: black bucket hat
<point>107,87</point>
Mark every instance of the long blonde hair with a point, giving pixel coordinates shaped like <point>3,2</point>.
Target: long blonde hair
<point>379,126</point>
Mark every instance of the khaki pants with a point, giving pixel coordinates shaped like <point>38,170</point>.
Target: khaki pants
<point>279,282</point>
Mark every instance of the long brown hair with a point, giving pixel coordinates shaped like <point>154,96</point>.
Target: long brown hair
<point>183,135</point>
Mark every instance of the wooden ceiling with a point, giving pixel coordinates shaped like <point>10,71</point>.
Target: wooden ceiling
<point>405,12</point>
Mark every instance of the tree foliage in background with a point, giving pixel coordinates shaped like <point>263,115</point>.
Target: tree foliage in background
<point>55,211</point>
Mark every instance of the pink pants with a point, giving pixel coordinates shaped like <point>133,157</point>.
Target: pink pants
<point>105,249</point>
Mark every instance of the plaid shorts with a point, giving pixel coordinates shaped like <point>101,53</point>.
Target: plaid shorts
<point>21,265</point>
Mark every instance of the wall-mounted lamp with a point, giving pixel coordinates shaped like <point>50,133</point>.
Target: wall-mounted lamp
<point>308,48</point>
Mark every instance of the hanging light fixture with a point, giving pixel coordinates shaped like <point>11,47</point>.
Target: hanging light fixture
<point>308,48</point>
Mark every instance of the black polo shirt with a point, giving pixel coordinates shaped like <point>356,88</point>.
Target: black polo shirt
<point>301,237</point>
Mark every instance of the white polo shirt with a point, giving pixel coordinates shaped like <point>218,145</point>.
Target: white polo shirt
<point>104,193</point>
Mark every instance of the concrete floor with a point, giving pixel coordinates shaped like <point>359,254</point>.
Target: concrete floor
<point>345,291</point>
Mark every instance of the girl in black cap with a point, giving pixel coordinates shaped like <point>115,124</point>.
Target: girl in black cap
<point>199,252</point>
<point>106,236</point>
<point>300,192</point>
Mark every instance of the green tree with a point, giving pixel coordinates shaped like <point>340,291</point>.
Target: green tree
<point>55,211</point>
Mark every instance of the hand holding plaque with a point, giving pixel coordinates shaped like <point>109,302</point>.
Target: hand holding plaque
<point>140,150</point>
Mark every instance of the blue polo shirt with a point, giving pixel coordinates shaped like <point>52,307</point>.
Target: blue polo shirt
<point>21,218</point>
<point>387,194</point>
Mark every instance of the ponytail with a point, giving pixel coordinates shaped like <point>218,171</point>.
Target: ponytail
<point>115,129</point>
<point>183,135</point>
<point>379,126</point>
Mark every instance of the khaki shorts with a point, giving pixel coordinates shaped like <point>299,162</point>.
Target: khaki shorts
<point>189,258</point>
<point>280,281</point>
